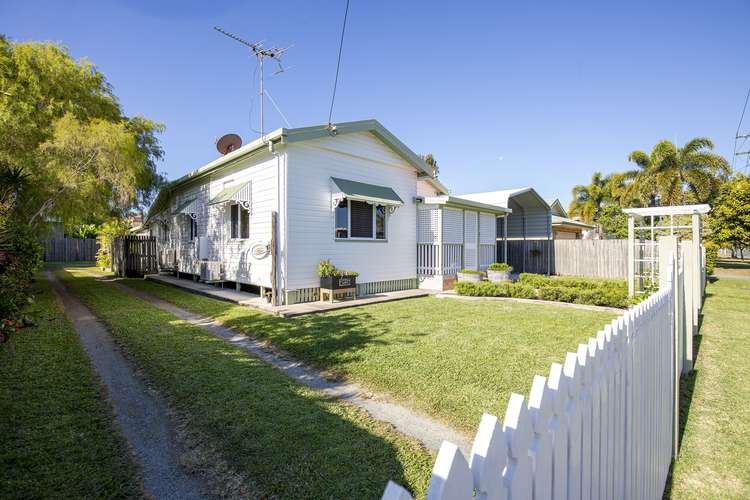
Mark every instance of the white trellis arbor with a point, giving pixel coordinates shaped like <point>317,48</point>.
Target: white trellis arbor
<point>645,226</point>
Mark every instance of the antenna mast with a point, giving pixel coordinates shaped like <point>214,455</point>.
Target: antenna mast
<point>260,53</point>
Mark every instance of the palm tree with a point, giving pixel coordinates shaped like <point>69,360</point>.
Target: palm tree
<point>675,176</point>
<point>589,200</point>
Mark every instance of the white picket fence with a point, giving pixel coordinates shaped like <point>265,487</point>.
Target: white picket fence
<point>601,425</point>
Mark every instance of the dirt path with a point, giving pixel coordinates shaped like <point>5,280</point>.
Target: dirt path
<point>425,429</point>
<point>141,414</point>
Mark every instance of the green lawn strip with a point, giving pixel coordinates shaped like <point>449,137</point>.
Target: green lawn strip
<point>290,440</point>
<point>57,432</point>
<point>451,359</point>
<point>715,450</point>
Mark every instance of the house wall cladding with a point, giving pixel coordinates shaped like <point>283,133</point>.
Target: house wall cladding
<point>214,221</point>
<point>358,157</point>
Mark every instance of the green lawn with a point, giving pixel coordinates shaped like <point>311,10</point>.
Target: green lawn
<point>289,440</point>
<point>57,434</point>
<point>714,460</point>
<point>452,359</point>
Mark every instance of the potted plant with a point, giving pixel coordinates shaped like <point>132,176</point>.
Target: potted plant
<point>333,278</point>
<point>499,271</point>
<point>470,275</point>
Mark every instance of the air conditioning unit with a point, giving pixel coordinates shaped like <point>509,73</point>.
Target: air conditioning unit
<point>211,270</point>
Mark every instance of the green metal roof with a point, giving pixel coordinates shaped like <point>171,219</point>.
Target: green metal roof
<point>361,191</point>
<point>228,194</point>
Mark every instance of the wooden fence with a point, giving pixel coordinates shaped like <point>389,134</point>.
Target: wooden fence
<point>592,258</point>
<point>604,424</point>
<point>70,249</point>
<point>134,256</point>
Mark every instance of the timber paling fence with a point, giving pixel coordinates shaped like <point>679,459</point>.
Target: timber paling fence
<point>134,256</point>
<point>604,424</point>
<point>70,249</point>
<point>591,258</point>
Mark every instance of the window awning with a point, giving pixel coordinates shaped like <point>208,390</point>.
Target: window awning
<point>237,194</point>
<point>187,207</point>
<point>360,191</point>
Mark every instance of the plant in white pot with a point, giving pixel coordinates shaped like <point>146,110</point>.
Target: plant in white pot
<point>498,272</point>
<point>470,275</point>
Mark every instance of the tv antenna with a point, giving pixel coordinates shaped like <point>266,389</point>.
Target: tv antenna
<point>260,53</point>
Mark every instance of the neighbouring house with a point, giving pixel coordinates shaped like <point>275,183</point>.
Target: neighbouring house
<point>263,216</point>
<point>566,228</point>
<point>524,236</point>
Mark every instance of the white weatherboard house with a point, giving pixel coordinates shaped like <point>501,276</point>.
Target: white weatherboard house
<point>267,213</point>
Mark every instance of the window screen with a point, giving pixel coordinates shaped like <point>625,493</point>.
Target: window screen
<point>244,223</point>
<point>361,219</point>
<point>342,219</point>
<point>380,222</point>
<point>235,221</point>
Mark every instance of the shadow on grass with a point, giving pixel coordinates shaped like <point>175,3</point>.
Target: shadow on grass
<point>732,264</point>
<point>289,440</point>
<point>324,340</point>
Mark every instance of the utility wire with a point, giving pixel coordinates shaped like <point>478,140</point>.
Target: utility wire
<point>338,63</point>
<point>739,125</point>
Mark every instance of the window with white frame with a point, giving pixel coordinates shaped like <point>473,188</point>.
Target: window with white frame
<point>360,220</point>
<point>239,222</point>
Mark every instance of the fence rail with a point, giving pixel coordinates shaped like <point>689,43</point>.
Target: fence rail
<point>601,425</point>
<point>592,258</point>
<point>70,249</point>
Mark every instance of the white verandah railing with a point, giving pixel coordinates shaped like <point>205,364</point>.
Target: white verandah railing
<point>428,259</point>
<point>601,425</point>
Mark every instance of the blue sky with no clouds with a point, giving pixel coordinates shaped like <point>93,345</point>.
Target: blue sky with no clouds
<point>504,94</point>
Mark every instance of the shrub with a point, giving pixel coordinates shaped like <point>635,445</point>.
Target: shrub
<point>491,289</point>
<point>539,280</point>
<point>500,266</point>
<point>327,269</point>
<point>712,252</point>
<point>470,271</point>
<point>20,258</point>
<point>108,233</point>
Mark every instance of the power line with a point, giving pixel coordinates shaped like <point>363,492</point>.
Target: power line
<point>338,64</point>
<point>738,136</point>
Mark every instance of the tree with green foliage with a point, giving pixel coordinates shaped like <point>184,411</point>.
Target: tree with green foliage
<point>62,126</point>
<point>729,219</point>
<point>432,162</point>
<point>588,200</point>
<point>613,222</point>
<point>670,175</point>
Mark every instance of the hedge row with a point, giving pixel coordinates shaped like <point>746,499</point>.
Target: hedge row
<point>540,280</point>
<point>608,293</point>
<point>491,289</point>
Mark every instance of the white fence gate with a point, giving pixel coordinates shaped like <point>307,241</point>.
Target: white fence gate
<point>601,425</point>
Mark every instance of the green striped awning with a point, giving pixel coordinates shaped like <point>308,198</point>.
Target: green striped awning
<point>360,191</point>
<point>187,207</point>
<point>239,193</point>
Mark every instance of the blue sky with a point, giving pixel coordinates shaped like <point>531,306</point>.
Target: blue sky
<point>504,94</point>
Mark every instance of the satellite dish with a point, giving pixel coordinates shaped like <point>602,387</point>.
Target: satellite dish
<point>228,143</point>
